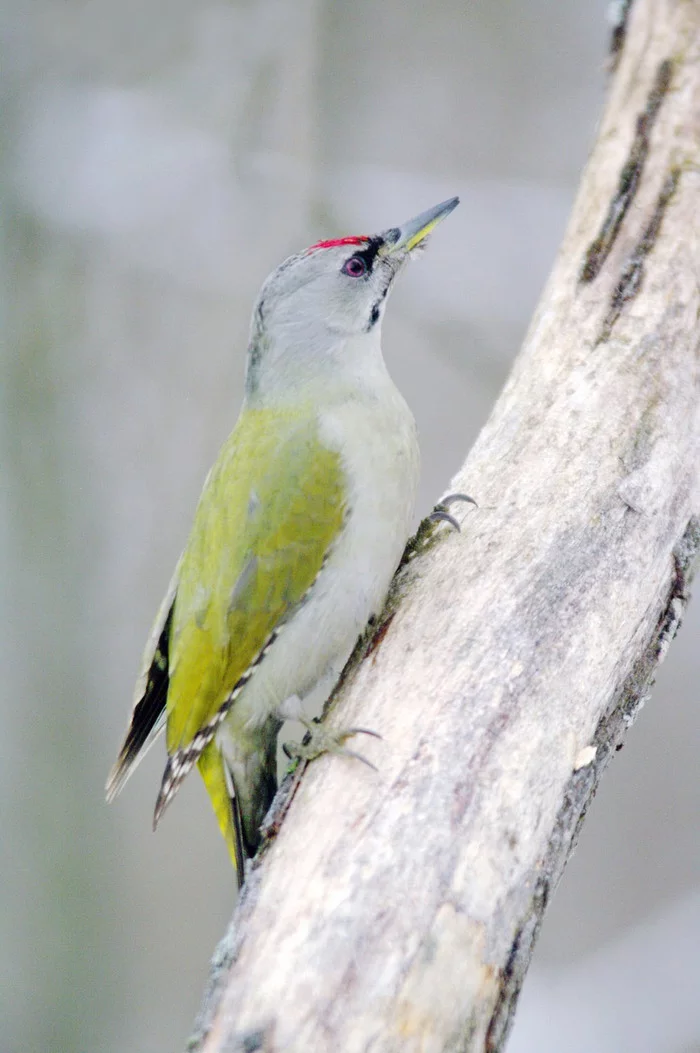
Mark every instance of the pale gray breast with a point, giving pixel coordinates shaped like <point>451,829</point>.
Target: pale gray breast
<point>378,445</point>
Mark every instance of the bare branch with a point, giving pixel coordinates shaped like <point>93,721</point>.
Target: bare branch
<point>397,910</point>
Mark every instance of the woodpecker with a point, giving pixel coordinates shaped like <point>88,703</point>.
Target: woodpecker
<point>299,529</point>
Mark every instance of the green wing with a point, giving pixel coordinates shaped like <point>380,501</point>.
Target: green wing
<point>270,511</point>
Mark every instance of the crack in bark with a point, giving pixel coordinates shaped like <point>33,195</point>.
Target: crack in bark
<point>633,274</point>
<point>630,176</point>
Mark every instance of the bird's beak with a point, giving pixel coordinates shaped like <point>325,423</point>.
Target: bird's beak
<point>399,241</point>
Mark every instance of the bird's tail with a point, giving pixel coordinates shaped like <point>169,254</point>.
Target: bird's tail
<point>225,804</point>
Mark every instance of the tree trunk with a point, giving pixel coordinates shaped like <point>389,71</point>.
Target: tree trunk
<point>397,910</point>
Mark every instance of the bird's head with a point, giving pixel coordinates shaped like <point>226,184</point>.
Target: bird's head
<point>331,295</point>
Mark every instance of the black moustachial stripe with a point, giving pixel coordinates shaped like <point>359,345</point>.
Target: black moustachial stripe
<point>376,310</point>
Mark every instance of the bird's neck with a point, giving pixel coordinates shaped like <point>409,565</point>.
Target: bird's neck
<point>315,370</point>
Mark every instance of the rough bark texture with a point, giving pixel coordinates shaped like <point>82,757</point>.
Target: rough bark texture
<point>397,910</point>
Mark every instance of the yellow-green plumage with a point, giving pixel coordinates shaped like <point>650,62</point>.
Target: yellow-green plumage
<point>258,541</point>
<point>211,768</point>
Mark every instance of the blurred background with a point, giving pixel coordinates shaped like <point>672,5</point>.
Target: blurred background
<point>157,160</point>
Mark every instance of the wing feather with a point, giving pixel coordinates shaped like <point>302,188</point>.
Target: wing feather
<point>148,711</point>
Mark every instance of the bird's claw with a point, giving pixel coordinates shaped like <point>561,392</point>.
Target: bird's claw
<point>438,516</point>
<point>441,514</point>
<point>450,499</point>
<point>319,741</point>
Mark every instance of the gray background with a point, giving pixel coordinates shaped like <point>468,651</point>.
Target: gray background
<point>157,161</point>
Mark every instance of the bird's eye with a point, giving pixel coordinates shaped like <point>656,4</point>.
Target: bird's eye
<point>355,267</point>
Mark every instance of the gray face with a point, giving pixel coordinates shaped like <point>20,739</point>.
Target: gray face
<point>340,287</point>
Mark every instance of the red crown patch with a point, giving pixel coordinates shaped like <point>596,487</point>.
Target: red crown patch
<point>357,240</point>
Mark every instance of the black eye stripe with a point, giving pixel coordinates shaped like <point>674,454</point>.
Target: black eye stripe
<point>369,254</point>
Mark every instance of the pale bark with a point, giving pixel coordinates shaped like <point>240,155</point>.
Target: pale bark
<point>397,910</point>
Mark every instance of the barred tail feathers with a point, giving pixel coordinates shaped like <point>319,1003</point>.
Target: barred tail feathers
<point>213,771</point>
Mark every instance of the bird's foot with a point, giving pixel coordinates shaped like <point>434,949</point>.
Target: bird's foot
<point>319,740</point>
<point>426,533</point>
